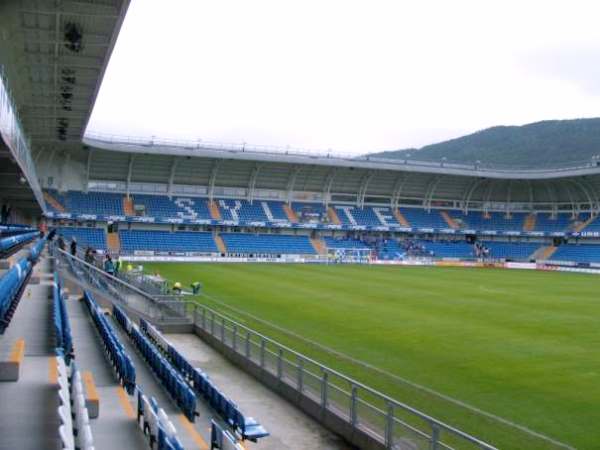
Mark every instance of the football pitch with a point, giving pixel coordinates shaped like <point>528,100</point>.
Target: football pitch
<point>490,351</point>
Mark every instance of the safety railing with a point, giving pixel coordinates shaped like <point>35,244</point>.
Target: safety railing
<point>127,295</point>
<point>394,424</point>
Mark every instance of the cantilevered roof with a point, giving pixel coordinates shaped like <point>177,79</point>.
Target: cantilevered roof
<point>54,54</point>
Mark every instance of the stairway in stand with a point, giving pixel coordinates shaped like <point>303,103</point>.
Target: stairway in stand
<point>529,224</point>
<point>319,246</point>
<point>113,241</point>
<point>290,213</point>
<point>400,218</point>
<point>581,225</point>
<point>449,220</point>
<point>215,214</point>
<point>53,202</point>
<point>128,206</point>
<point>220,243</point>
<point>333,217</point>
<point>543,253</point>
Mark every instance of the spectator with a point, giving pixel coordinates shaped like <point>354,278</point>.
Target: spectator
<point>177,287</point>
<point>61,243</point>
<point>118,264</point>
<point>42,227</point>
<point>74,246</point>
<point>109,266</point>
<point>89,256</point>
<point>196,286</point>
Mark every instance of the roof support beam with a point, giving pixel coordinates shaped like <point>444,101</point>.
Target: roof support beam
<point>397,191</point>
<point>469,193</point>
<point>569,194</point>
<point>586,193</point>
<point>592,191</point>
<point>364,185</point>
<point>87,168</point>
<point>252,182</point>
<point>291,183</point>
<point>508,197</point>
<point>327,186</point>
<point>429,191</point>
<point>213,178</point>
<point>174,164</point>
<point>129,172</point>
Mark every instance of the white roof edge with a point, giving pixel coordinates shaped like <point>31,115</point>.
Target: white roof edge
<point>244,152</point>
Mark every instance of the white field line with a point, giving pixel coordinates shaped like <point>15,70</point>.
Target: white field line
<point>391,375</point>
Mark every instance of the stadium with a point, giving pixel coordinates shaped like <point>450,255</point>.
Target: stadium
<point>171,294</point>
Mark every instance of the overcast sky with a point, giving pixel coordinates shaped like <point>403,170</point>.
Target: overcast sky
<point>352,76</point>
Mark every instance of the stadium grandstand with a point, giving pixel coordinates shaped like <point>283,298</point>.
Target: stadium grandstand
<point>91,358</point>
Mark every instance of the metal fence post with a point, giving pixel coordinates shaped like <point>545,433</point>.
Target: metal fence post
<point>248,344</point>
<point>204,318</point>
<point>353,402</point>
<point>262,352</point>
<point>212,324</point>
<point>300,374</point>
<point>223,330</point>
<point>389,426</point>
<point>195,314</point>
<point>324,382</point>
<point>234,339</point>
<point>279,363</point>
<point>435,436</point>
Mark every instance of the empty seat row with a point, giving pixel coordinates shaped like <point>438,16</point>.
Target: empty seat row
<point>10,244</point>
<point>577,253</point>
<point>154,423</point>
<point>345,243</point>
<point>267,244</point>
<point>173,382</point>
<point>12,284</point>
<point>222,439</point>
<point>246,427</point>
<point>165,241</point>
<point>62,327</point>
<point>10,230</point>
<point>36,250</point>
<point>114,350</point>
<point>74,429</point>
<point>85,237</point>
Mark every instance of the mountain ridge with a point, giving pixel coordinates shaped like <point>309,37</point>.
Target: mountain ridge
<point>545,142</point>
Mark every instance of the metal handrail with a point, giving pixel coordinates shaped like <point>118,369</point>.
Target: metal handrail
<point>106,275</point>
<point>194,309</point>
<point>352,382</point>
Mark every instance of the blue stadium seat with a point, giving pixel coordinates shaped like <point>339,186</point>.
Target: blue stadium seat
<point>113,348</point>
<point>245,426</point>
<point>178,207</point>
<point>165,241</point>
<point>12,284</point>
<point>94,203</point>
<point>267,244</point>
<point>577,253</point>
<point>172,381</point>
<point>562,222</point>
<point>508,250</point>
<point>85,237</point>
<point>344,243</point>
<point>419,218</point>
<point>448,249</point>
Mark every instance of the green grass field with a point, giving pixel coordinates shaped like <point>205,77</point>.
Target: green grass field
<point>522,345</point>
